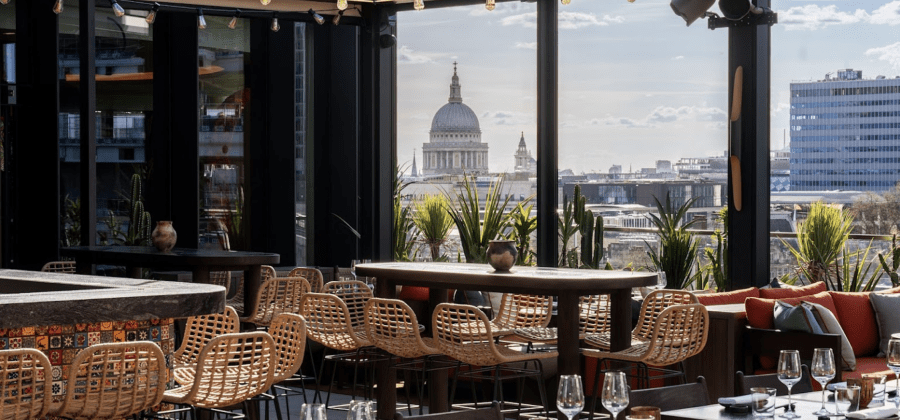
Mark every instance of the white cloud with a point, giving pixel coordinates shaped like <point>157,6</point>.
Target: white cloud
<point>889,53</point>
<point>567,20</point>
<point>667,114</point>
<point>680,57</point>
<point>406,55</point>
<point>526,45</point>
<point>506,118</point>
<point>888,14</point>
<point>781,107</point>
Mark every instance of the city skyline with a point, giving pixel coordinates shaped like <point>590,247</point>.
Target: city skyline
<point>636,85</point>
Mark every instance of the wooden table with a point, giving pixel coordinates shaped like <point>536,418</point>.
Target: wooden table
<point>566,284</point>
<point>199,261</point>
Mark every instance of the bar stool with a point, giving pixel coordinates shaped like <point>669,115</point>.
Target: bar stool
<point>59,267</point>
<point>593,319</point>
<point>114,380</point>
<point>237,301</point>
<point>521,311</point>
<point>276,296</point>
<point>312,275</point>
<point>199,331</point>
<point>25,392</point>
<point>654,304</point>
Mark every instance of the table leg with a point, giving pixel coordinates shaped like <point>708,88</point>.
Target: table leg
<point>134,272</point>
<point>620,320</point>
<point>385,377</point>
<point>438,395</point>
<point>568,360</point>
<point>200,274</point>
<point>252,283</point>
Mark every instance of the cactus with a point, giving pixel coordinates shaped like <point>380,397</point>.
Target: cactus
<point>891,269</point>
<point>139,222</point>
<point>591,230</point>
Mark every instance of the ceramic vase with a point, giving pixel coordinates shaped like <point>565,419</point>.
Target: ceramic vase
<point>502,255</point>
<point>164,237</point>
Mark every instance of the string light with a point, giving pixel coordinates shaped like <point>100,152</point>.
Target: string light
<point>319,19</point>
<point>490,4</point>
<point>337,18</point>
<point>58,7</point>
<point>117,9</point>
<point>342,4</point>
<point>419,4</point>
<point>569,1</point>
<point>4,2</point>
<point>275,26</point>
<point>234,21</point>
<point>201,21</point>
<point>151,17</point>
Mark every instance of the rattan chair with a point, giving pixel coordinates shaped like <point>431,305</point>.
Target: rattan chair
<point>277,295</point>
<point>593,319</point>
<point>24,388</point>
<point>678,333</point>
<point>59,267</point>
<point>312,275</point>
<point>464,333</point>
<point>237,300</point>
<point>653,305</point>
<point>221,278</point>
<point>289,333</point>
<point>392,326</point>
<point>328,322</point>
<point>518,311</point>
<point>114,380</point>
<point>231,369</point>
<point>355,295</point>
<point>199,331</point>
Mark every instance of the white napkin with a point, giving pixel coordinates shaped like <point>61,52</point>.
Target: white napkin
<point>873,413</point>
<point>739,400</point>
<point>834,385</point>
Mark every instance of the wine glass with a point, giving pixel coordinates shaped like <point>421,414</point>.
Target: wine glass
<point>823,371</point>
<point>789,374</point>
<point>570,396</point>
<point>893,362</point>
<point>615,392</point>
<point>353,264</point>
<point>312,412</point>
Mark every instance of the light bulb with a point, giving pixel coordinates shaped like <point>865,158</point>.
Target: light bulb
<point>265,2</point>
<point>342,4</point>
<point>318,18</point>
<point>201,21</point>
<point>337,17</point>
<point>4,1</point>
<point>233,23</point>
<point>275,26</point>
<point>151,17</point>
<point>118,10</point>
<point>489,4</point>
<point>569,1</point>
<point>419,4</point>
<point>58,7</point>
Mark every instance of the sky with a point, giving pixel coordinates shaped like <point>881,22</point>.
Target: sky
<point>636,85</point>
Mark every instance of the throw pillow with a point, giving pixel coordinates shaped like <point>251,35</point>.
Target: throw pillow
<point>887,313</point>
<point>858,321</point>
<point>830,325</point>
<point>725,298</point>
<point>795,318</point>
<point>785,292</point>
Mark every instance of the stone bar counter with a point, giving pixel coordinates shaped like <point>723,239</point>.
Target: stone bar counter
<point>61,314</point>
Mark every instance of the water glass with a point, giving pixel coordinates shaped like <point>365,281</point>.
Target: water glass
<point>763,401</point>
<point>880,389</point>
<point>661,281</point>
<point>312,412</point>
<point>361,410</point>
<point>570,395</point>
<point>614,394</point>
<point>893,362</point>
<point>822,371</point>
<point>789,374</point>
<point>846,399</point>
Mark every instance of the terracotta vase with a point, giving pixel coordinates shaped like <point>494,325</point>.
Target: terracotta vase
<point>502,255</point>
<point>866,390</point>
<point>164,236</point>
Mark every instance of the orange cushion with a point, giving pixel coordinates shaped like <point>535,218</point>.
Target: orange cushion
<point>857,318</point>
<point>869,365</point>
<point>784,292</point>
<point>761,312</point>
<point>724,298</point>
<point>414,293</point>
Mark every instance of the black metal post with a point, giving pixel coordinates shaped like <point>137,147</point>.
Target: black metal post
<point>88,84</point>
<point>548,136</point>
<point>748,250</point>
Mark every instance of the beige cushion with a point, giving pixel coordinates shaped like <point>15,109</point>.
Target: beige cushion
<point>830,325</point>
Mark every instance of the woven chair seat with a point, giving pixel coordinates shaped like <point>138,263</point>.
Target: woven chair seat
<point>653,305</point>
<point>521,311</point>
<point>277,295</point>
<point>312,275</point>
<point>393,327</point>
<point>679,333</point>
<point>59,267</point>
<point>328,323</point>
<point>602,341</point>
<point>199,331</point>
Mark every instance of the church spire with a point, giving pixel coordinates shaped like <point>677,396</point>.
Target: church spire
<point>415,173</point>
<point>455,95</point>
<point>522,142</point>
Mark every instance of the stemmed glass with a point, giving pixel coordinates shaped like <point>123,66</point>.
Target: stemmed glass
<point>789,374</point>
<point>570,396</point>
<point>614,395</point>
<point>823,371</point>
<point>893,362</point>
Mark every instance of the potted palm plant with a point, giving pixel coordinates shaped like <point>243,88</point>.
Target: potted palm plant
<point>434,223</point>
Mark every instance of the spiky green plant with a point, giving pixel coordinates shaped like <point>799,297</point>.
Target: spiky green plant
<point>856,272</point>
<point>475,234</point>
<point>403,228</point>
<point>892,267</point>
<point>566,229</point>
<point>523,224</point>
<point>139,221</point>
<point>678,247</point>
<point>820,241</point>
<point>717,269</point>
<point>434,223</point>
